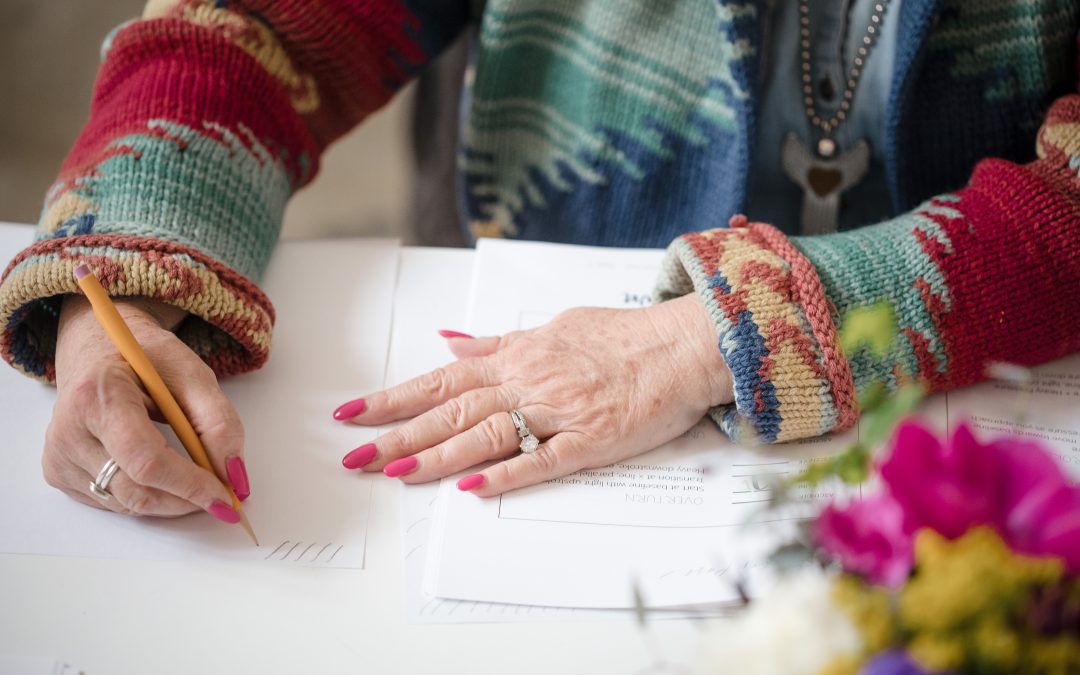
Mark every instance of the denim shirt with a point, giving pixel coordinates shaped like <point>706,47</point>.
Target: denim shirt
<point>772,196</point>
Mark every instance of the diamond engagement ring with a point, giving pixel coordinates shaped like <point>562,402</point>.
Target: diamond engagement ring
<point>529,442</point>
<point>99,487</point>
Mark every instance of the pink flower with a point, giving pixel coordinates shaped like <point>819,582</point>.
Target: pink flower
<point>869,537</point>
<point>1011,483</point>
<point>1040,511</point>
<point>949,488</point>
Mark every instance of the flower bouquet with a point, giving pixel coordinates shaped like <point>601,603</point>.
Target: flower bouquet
<point>965,560</point>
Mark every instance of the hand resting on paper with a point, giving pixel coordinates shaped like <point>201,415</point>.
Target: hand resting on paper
<point>102,411</point>
<point>595,386</point>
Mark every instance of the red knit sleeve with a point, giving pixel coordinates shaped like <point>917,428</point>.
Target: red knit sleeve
<point>206,116</point>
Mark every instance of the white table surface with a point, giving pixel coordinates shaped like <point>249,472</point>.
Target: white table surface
<point>124,616</point>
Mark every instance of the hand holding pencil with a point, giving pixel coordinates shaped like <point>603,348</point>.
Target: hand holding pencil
<point>102,414</point>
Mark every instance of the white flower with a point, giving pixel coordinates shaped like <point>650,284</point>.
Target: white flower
<point>795,629</point>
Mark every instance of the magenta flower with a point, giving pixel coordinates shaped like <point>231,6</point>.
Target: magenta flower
<point>1013,484</point>
<point>950,488</point>
<point>869,537</point>
<point>1040,511</point>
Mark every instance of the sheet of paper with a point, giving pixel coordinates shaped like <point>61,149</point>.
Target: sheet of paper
<point>681,523</point>
<point>1044,409</point>
<point>433,292</point>
<point>34,665</point>
<point>333,301</point>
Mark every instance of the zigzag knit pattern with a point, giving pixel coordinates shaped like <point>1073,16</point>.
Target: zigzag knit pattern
<point>206,117</point>
<point>590,121</point>
<point>777,334</point>
<point>987,274</point>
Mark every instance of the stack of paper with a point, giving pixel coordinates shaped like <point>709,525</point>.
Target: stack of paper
<point>684,524</point>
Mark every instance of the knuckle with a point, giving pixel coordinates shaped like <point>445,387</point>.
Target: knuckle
<point>82,394</point>
<point>201,371</point>
<point>56,442</point>
<point>454,413</point>
<point>397,441</point>
<point>146,468</point>
<point>490,437</point>
<point>545,460</point>
<point>50,469</point>
<point>440,455</point>
<point>437,384</point>
<point>225,433</point>
<point>143,502</point>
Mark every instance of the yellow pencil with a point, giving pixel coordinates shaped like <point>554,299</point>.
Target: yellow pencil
<point>129,348</point>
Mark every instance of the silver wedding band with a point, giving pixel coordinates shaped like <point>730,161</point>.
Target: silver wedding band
<point>99,487</point>
<point>529,443</point>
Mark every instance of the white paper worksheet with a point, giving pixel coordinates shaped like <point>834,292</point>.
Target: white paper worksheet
<point>1045,408</point>
<point>333,302</point>
<point>433,292</point>
<point>675,522</point>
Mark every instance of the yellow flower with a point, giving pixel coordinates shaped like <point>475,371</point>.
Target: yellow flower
<point>1057,656</point>
<point>870,610</point>
<point>973,577</point>
<point>995,642</point>
<point>937,652</point>
<point>847,664</point>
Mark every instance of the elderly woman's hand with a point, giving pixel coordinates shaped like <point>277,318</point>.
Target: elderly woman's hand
<point>102,413</point>
<point>595,385</point>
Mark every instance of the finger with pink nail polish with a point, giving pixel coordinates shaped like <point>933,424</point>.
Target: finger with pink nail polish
<point>224,513</point>
<point>471,482</point>
<point>238,478</point>
<point>454,334</point>
<point>400,467</point>
<point>359,457</point>
<point>347,411</point>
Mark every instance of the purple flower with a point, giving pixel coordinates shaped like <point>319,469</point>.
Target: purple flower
<point>869,537</point>
<point>893,662</point>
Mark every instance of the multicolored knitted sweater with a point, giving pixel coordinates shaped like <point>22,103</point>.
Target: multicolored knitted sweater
<point>621,123</point>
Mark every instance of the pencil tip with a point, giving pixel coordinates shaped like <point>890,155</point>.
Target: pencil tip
<point>247,528</point>
<point>81,271</point>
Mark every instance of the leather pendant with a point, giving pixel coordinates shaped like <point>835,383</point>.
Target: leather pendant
<point>823,181</point>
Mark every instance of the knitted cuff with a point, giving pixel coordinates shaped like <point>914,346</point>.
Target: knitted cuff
<point>230,322</point>
<point>775,329</point>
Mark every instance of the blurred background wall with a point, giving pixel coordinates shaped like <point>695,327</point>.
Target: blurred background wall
<point>48,58</point>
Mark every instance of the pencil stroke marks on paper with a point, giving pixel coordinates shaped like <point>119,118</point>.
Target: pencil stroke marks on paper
<point>299,551</point>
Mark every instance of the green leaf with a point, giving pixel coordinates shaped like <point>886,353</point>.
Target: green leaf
<point>873,326</point>
<point>877,424</point>
<point>791,556</point>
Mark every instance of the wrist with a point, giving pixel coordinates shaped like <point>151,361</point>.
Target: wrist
<point>697,335</point>
<point>165,315</point>
<point>135,310</point>
<point>80,334</point>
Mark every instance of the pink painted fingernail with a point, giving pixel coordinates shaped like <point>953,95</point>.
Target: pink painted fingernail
<point>454,334</point>
<point>238,478</point>
<point>347,411</point>
<point>400,467</point>
<point>359,457</point>
<point>224,513</point>
<point>471,482</point>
